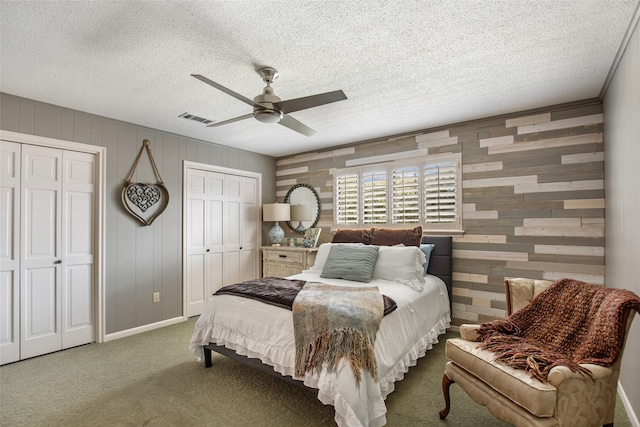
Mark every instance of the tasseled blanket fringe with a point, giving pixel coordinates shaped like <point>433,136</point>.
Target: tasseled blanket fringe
<point>330,347</point>
<point>535,361</point>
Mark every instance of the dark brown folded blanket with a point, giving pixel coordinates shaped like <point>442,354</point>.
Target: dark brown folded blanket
<point>279,292</point>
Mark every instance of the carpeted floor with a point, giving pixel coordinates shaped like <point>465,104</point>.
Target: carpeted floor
<point>152,379</point>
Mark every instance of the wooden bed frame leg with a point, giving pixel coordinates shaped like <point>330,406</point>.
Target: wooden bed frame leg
<point>446,383</point>
<point>207,357</point>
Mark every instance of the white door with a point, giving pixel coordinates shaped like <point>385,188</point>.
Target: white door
<point>47,280</point>
<point>232,225</point>
<point>221,233</point>
<point>9,252</point>
<point>195,241</point>
<point>240,229</point>
<point>40,263</point>
<point>205,193</point>
<point>78,243</point>
<point>215,232</point>
<point>250,230</point>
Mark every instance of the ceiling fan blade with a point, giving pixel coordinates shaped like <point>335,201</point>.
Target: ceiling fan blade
<point>297,104</point>
<point>227,91</point>
<point>293,124</point>
<point>226,122</point>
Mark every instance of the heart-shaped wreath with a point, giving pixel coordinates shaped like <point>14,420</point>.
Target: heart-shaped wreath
<point>145,202</point>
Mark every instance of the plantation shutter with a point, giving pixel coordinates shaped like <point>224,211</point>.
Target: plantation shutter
<point>440,193</point>
<point>347,199</point>
<point>374,197</point>
<point>405,195</point>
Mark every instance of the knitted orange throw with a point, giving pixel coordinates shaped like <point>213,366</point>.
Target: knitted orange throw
<point>569,323</point>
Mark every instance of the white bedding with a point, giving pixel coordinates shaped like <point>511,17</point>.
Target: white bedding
<point>263,331</point>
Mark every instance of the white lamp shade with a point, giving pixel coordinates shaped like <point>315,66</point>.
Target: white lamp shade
<point>276,212</point>
<point>300,212</point>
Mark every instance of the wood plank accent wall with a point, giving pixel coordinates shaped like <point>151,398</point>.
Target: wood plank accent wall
<point>533,197</point>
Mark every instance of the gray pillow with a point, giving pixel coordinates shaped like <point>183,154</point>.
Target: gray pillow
<point>350,263</point>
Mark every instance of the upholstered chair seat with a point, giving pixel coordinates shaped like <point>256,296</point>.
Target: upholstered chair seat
<point>511,394</point>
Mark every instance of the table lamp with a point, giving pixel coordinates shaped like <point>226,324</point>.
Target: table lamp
<point>276,212</point>
<point>300,213</point>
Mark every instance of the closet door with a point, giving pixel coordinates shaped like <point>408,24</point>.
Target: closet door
<point>249,229</point>
<point>221,233</point>
<point>195,245</point>
<point>9,252</point>
<point>78,243</point>
<point>47,281</point>
<point>50,241</point>
<point>214,241</point>
<point>240,229</point>
<point>205,199</point>
<point>231,222</point>
<point>41,261</point>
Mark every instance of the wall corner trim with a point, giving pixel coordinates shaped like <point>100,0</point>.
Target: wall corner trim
<point>621,49</point>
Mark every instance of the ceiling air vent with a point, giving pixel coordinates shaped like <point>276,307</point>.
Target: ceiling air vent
<point>195,118</point>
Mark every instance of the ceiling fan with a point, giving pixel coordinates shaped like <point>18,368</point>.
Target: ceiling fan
<point>269,108</point>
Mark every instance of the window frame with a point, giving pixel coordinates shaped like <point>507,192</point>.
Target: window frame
<point>388,167</point>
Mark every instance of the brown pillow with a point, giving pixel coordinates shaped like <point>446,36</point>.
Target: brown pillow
<point>392,236</point>
<point>360,235</point>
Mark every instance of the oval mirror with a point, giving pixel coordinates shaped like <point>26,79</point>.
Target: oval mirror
<point>305,207</point>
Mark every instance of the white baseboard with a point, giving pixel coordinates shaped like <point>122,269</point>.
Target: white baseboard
<point>633,418</point>
<point>145,328</point>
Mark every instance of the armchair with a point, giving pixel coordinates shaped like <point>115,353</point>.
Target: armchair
<point>567,398</point>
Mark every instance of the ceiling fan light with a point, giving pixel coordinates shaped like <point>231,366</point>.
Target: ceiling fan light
<point>268,116</point>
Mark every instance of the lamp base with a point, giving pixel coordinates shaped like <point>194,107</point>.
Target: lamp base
<point>276,234</point>
<point>300,228</point>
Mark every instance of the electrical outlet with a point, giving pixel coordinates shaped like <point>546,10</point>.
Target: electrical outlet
<point>156,297</point>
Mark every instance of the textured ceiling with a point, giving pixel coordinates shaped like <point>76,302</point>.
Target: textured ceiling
<point>403,65</point>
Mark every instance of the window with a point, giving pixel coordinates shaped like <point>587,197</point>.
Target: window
<point>423,191</point>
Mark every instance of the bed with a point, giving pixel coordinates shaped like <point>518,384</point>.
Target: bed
<point>262,335</point>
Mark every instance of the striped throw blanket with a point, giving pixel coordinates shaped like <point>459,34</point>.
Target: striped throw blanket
<point>332,323</point>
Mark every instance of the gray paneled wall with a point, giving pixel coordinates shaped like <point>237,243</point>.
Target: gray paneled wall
<point>139,260</point>
<point>533,197</point>
<point>622,133</point>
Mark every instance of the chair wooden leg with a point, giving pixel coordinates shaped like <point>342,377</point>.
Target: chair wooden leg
<point>608,425</point>
<point>446,383</point>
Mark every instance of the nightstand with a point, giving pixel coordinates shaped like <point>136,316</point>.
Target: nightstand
<point>283,261</point>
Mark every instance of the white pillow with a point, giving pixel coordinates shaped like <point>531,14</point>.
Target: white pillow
<point>401,264</point>
<point>323,253</point>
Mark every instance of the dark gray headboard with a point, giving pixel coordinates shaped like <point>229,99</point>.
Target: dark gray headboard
<point>441,261</point>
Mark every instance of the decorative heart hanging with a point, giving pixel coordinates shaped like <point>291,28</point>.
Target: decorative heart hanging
<point>143,196</point>
<point>145,202</point>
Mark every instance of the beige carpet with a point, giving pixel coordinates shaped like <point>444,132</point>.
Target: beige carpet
<point>151,379</point>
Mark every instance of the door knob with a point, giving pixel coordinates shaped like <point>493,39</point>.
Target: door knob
<point>208,250</point>
<point>58,261</point>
